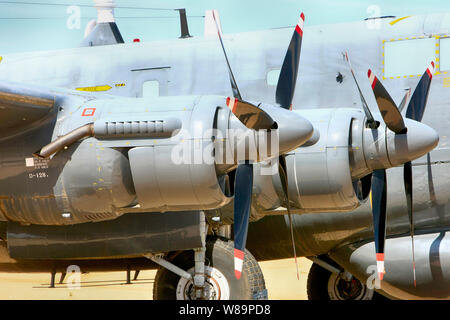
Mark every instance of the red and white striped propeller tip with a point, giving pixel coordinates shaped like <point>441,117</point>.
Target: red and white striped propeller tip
<point>430,69</point>
<point>238,262</point>
<point>372,78</point>
<point>300,24</point>
<point>232,104</point>
<point>380,265</point>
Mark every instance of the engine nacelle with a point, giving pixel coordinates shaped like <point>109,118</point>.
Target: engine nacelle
<point>126,166</point>
<point>114,156</point>
<point>321,172</point>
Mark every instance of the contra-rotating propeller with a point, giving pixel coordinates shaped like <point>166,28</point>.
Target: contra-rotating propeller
<point>394,121</point>
<point>255,118</point>
<point>284,96</point>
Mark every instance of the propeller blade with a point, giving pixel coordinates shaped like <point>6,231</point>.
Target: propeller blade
<point>370,120</point>
<point>404,100</point>
<point>407,179</point>
<point>234,86</point>
<point>284,182</point>
<point>289,70</point>
<point>378,203</point>
<point>250,115</point>
<point>416,106</point>
<point>242,203</point>
<point>415,111</point>
<point>389,111</point>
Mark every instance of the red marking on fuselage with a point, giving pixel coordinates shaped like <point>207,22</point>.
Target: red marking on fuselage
<point>88,112</point>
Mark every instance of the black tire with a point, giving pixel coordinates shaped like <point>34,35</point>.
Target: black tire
<point>317,285</point>
<point>220,255</point>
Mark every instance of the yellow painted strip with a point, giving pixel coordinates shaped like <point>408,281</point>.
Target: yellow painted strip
<point>1,58</point>
<point>446,82</point>
<point>398,20</point>
<point>437,51</point>
<point>95,89</point>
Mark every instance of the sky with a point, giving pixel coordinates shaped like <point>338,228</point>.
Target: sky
<point>50,24</point>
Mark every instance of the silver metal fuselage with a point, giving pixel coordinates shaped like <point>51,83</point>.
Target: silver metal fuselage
<point>196,66</point>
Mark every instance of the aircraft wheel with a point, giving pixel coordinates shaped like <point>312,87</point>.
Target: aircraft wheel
<point>221,283</point>
<point>325,285</point>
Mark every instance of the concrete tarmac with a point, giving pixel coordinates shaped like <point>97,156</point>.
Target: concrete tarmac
<point>280,276</point>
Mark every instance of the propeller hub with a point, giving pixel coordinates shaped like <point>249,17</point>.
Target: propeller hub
<point>293,129</point>
<point>385,149</point>
<point>416,142</point>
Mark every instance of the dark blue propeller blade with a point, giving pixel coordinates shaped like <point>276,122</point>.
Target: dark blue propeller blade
<point>407,180</point>
<point>378,202</point>
<point>289,70</point>
<point>416,106</point>
<point>242,203</point>
<point>415,111</point>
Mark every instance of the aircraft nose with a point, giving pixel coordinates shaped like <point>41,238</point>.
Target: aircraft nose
<point>293,129</point>
<point>418,141</point>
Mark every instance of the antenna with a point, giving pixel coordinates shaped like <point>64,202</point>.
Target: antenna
<point>105,10</point>
<point>183,24</point>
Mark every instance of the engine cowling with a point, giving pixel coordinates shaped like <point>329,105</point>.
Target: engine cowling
<point>332,171</point>
<point>321,174</point>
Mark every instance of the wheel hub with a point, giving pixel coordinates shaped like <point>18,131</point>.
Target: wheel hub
<point>343,289</point>
<point>216,286</point>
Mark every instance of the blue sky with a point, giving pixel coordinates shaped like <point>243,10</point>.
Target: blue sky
<point>25,27</point>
